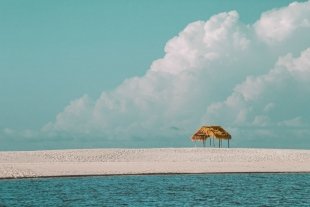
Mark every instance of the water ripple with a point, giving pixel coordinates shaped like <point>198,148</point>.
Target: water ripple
<point>173,190</point>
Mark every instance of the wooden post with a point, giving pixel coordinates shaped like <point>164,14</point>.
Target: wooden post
<point>210,141</point>
<point>204,142</point>
<point>228,143</point>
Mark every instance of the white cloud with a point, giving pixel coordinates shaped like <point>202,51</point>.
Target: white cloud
<point>295,122</point>
<point>175,85</point>
<point>76,117</point>
<point>208,62</point>
<point>277,25</point>
<point>272,105</point>
<point>13,133</point>
<point>202,43</point>
<point>299,68</point>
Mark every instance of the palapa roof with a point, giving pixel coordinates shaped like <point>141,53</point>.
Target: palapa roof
<point>210,131</point>
<point>200,136</point>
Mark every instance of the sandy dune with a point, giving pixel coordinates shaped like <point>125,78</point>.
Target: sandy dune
<point>147,161</point>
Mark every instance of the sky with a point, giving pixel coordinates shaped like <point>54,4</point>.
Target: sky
<point>81,74</point>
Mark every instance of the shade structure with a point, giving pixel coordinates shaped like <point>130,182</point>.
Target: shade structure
<point>211,131</point>
<point>200,136</point>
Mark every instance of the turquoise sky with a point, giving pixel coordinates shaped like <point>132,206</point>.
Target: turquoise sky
<point>53,52</point>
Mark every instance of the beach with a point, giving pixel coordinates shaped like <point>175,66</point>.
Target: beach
<point>87,162</point>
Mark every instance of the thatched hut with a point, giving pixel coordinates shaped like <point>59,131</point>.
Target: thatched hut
<point>206,132</point>
<point>200,136</point>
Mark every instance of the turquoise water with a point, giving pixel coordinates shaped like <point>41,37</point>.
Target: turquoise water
<point>160,190</point>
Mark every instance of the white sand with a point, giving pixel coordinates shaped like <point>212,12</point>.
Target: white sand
<point>150,161</point>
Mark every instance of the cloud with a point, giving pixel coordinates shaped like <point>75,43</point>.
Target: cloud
<point>202,43</point>
<point>268,98</point>
<point>272,106</point>
<point>173,92</point>
<point>217,71</point>
<point>276,26</point>
<point>78,117</point>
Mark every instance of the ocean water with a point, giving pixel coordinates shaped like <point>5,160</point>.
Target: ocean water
<point>160,190</point>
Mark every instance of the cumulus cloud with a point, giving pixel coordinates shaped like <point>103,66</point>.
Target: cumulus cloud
<point>218,71</point>
<point>278,25</point>
<point>283,91</point>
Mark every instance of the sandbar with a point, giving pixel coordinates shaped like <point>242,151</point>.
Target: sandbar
<point>93,162</point>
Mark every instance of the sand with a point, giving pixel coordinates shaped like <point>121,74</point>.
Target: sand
<point>54,163</point>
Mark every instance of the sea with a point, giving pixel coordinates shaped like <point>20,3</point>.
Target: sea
<point>160,190</point>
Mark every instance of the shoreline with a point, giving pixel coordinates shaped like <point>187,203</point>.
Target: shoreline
<point>147,174</point>
<point>150,161</point>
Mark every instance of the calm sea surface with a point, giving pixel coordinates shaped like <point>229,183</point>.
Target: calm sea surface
<point>164,190</point>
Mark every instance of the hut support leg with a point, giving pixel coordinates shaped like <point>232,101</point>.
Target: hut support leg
<point>204,143</point>
<point>228,143</point>
<point>210,142</point>
<point>219,143</point>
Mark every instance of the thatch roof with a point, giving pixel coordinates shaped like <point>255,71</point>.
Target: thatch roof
<point>210,131</point>
<point>200,136</point>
